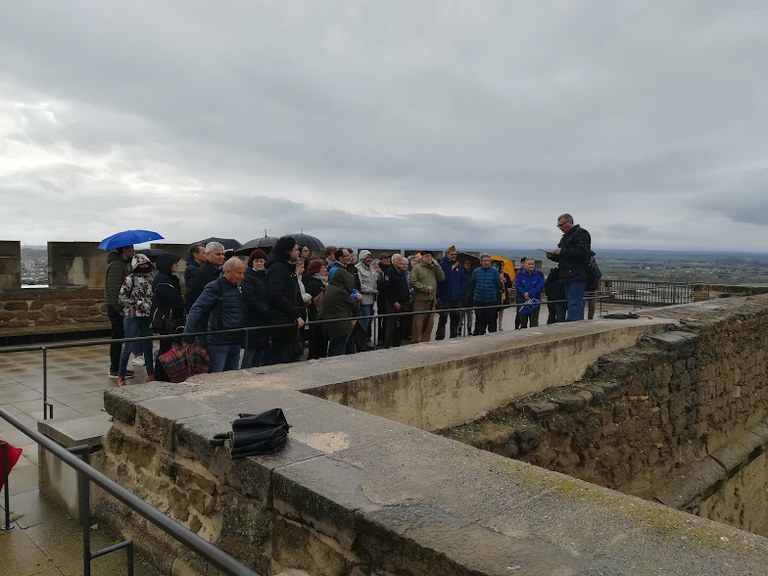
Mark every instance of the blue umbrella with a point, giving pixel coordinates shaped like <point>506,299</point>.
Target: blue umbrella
<point>128,238</point>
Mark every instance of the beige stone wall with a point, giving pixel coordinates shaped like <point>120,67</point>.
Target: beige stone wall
<point>657,414</point>
<point>48,310</point>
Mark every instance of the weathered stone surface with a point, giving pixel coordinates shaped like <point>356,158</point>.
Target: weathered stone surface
<point>358,494</point>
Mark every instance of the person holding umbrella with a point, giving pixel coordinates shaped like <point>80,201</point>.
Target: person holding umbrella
<point>117,269</point>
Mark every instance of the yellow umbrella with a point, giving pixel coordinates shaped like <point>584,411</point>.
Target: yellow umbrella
<point>509,265</point>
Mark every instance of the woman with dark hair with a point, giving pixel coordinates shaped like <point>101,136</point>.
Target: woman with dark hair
<point>254,289</point>
<point>282,294</point>
<point>315,282</point>
<point>168,305</point>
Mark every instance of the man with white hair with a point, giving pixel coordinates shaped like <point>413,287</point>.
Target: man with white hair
<point>394,289</point>
<point>221,303</point>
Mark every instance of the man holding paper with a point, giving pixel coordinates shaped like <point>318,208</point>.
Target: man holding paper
<point>572,257</point>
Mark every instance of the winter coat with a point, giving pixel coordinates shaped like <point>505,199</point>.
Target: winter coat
<point>487,286</point>
<point>135,295</point>
<point>201,278</point>
<point>337,303</point>
<point>254,289</point>
<point>117,270</point>
<point>394,287</point>
<point>424,276</point>
<point>166,289</point>
<point>368,283</point>
<point>554,289</point>
<point>282,296</point>
<point>593,276</point>
<point>221,301</point>
<point>573,259</point>
<point>452,288</point>
<point>315,286</point>
<point>532,283</point>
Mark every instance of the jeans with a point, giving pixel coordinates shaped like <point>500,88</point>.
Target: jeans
<point>574,297</point>
<point>117,333</point>
<point>365,310</point>
<point>336,346</point>
<point>223,357</point>
<point>135,326</point>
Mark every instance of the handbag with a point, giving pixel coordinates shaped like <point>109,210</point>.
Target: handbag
<point>254,434</point>
<point>175,364</point>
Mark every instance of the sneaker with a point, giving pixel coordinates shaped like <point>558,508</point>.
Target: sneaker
<point>120,382</point>
<point>114,374</point>
<point>138,361</point>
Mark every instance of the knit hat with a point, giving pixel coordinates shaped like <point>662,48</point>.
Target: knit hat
<point>257,254</point>
<point>363,254</point>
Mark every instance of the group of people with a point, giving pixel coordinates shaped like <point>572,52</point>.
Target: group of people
<point>275,294</point>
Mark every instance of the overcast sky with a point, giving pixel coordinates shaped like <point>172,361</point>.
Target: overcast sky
<point>390,123</point>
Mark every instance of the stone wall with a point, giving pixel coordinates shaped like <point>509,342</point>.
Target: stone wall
<point>10,264</point>
<point>644,417</point>
<point>49,310</point>
<point>353,494</point>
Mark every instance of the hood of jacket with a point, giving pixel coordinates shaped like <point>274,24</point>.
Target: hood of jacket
<point>165,262</point>
<point>140,260</point>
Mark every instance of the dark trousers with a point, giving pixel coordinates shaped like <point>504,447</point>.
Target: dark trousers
<point>532,319</point>
<point>445,312</point>
<point>394,327</point>
<point>485,318</point>
<point>117,333</point>
<point>556,312</point>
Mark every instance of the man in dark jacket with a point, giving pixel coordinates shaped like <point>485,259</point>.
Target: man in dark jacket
<point>450,293</point>
<point>205,273</point>
<point>117,270</point>
<point>572,257</point>
<point>282,288</point>
<point>221,303</point>
<point>396,295</point>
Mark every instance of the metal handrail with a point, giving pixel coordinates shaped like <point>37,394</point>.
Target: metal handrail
<point>192,541</point>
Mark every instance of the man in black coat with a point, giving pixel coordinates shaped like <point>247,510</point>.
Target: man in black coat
<point>396,295</point>
<point>572,257</point>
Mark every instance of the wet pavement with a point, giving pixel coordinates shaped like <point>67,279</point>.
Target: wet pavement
<point>43,539</point>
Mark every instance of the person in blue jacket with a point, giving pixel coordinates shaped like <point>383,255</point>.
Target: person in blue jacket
<point>486,287</point>
<point>221,300</point>
<point>450,293</point>
<point>529,283</point>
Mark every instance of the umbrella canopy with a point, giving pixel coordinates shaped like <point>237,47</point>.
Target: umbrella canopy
<point>228,243</point>
<point>265,243</point>
<point>509,266</point>
<point>154,253</point>
<point>461,256</point>
<point>128,238</point>
<point>309,241</point>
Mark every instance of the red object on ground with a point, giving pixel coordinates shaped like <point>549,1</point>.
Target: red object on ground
<point>13,456</point>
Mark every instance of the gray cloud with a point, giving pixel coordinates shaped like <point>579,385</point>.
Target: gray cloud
<point>426,123</point>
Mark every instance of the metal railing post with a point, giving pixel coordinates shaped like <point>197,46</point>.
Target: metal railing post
<point>6,493</point>
<point>46,405</point>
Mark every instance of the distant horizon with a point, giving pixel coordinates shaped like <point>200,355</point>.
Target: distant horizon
<point>522,251</point>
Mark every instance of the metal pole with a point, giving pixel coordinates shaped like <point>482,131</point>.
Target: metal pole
<point>46,404</point>
<point>84,494</point>
<point>6,494</point>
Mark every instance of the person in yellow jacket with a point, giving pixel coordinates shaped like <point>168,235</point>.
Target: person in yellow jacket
<point>424,278</point>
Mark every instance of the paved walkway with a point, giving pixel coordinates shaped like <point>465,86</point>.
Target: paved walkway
<point>44,540</point>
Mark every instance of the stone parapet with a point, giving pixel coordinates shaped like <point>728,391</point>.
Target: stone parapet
<point>10,264</point>
<point>356,494</point>
<point>39,311</point>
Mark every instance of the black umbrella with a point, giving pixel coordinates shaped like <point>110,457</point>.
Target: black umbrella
<point>310,242</point>
<point>265,243</point>
<point>154,253</point>
<point>228,243</point>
